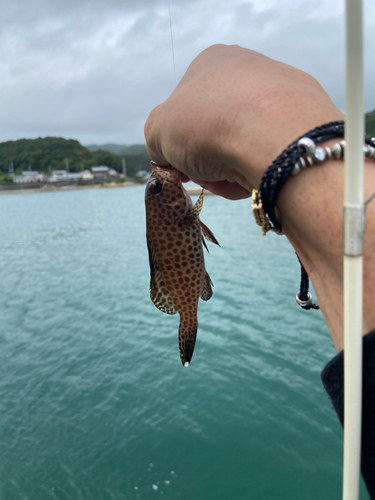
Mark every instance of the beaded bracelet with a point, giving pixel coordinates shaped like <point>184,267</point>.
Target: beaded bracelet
<point>301,153</point>
<point>316,155</point>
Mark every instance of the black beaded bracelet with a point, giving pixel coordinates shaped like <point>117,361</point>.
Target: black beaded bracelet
<point>290,161</point>
<point>276,175</point>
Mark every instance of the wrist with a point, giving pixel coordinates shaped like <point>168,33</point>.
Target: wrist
<point>252,161</point>
<point>310,211</point>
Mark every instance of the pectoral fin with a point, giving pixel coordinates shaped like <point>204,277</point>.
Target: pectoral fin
<point>160,297</point>
<point>158,291</point>
<point>204,243</point>
<point>207,233</point>
<point>207,288</point>
<point>150,259</point>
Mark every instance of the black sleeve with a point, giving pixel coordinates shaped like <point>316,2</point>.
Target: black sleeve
<point>333,381</point>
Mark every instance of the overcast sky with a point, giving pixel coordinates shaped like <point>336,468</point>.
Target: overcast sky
<point>92,70</point>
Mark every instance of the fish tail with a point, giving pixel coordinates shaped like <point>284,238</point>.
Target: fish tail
<point>187,334</point>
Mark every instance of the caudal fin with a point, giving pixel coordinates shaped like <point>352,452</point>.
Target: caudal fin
<point>187,334</point>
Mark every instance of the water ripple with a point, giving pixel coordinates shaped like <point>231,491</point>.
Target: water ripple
<point>94,401</point>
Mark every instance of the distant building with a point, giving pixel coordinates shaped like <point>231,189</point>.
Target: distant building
<point>75,176</point>
<point>29,176</point>
<point>86,175</point>
<point>100,172</point>
<point>59,175</point>
<point>103,172</point>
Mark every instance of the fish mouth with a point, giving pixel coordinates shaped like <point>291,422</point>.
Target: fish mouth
<point>166,171</point>
<point>155,166</point>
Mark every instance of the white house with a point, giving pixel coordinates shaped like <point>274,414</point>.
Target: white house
<point>75,176</point>
<point>103,172</point>
<point>86,175</point>
<point>29,176</point>
<point>100,172</point>
<point>59,175</point>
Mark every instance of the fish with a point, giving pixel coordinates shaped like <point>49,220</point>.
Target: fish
<point>175,237</point>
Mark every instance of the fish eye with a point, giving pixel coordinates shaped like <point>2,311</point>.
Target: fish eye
<point>155,187</point>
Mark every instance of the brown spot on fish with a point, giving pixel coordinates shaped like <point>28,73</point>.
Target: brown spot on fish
<point>174,241</point>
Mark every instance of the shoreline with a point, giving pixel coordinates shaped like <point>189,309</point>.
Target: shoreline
<point>72,187</point>
<point>51,188</point>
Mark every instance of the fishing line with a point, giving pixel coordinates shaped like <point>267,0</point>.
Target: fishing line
<point>171,30</point>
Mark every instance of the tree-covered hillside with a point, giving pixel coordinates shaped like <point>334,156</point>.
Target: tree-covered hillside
<point>119,149</point>
<point>115,149</point>
<point>52,152</point>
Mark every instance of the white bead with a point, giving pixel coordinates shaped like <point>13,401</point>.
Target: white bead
<point>296,169</point>
<point>337,151</point>
<point>306,144</point>
<point>319,155</point>
<point>328,152</point>
<point>303,303</point>
<point>310,161</point>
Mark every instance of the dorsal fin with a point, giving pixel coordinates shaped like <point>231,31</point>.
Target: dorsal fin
<point>196,209</point>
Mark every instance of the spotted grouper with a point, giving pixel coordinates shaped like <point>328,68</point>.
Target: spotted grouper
<point>174,240</point>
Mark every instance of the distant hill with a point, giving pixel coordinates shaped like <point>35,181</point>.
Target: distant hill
<point>118,149</point>
<point>52,153</point>
<point>370,123</point>
<point>115,149</point>
<point>135,149</point>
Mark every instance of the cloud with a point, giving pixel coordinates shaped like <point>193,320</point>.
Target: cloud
<point>93,69</point>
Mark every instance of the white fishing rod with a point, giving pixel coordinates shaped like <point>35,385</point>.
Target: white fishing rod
<point>354,221</point>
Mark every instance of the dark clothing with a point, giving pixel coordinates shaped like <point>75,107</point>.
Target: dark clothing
<point>333,381</point>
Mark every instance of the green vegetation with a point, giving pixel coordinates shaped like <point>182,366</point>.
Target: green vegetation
<point>51,153</point>
<point>119,149</point>
<point>5,179</point>
<point>370,123</point>
<point>135,155</point>
<point>47,153</point>
<point>115,149</point>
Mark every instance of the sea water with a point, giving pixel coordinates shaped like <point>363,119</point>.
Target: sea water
<point>94,401</point>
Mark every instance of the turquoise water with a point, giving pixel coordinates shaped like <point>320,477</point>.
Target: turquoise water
<point>94,402</point>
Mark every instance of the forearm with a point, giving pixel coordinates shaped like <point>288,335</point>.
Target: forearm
<point>231,115</point>
<point>310,210</point>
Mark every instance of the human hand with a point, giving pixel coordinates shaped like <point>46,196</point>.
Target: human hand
<point>231,115</point>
